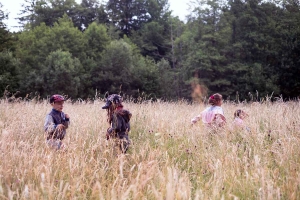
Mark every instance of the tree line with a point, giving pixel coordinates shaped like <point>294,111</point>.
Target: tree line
<point>234,47</point>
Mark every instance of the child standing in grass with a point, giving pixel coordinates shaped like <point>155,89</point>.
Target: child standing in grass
<point>56,122</point>
<point>118,118</point>
<point>239,116</point>
<point>212,116</point>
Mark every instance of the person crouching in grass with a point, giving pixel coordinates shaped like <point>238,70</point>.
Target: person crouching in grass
<point>56,123</point>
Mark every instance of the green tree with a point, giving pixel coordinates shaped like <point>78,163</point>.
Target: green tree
<point>168,84</point>
<point>9,68</point>
<point>154,38</point>
<point>130,15</point>
<point>6,40</point>
<point>254,45</point>
<point>97,39</point>
<point>91,11</point>
<point>35,45</point>
<point>145,77</point>
<point>123,69</point>
<point>35,12</point>
<point>289,53</point>
<point>114,73</point>
<point>206,38</point>
<point>62,74</point>
<point>151,40</point>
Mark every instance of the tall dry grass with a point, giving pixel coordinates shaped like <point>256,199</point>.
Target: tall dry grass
<point>168,158</point>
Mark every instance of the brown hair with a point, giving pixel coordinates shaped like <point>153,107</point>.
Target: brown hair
<point>214,99</point>
<point>237,113</point>
<point>111,110</point>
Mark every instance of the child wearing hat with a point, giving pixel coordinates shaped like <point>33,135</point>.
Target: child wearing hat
<point>118,118</point>
<point>56,122</point>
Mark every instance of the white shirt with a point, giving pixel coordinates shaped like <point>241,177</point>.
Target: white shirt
<point>208,115</point>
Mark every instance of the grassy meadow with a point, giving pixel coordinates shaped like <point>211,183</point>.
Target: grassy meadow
<point>168,158</point>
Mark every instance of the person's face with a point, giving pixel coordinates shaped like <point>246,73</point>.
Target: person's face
<point>59,105</point>
<point>219,103</point>
<point>243,115</point>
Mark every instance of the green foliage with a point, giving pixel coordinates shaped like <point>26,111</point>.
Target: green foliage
<point>116,66</point>
<point>289,50</point>
<point>124,69</point>
<point>90,11</point>
<point>97,40</point>
<point>3,16</point>
<point>254,41</point>
<point>36,12</point>
<point>225,46</point>
<point>145,76</point>
<point>36,45</point>
<point>206,60</point>
<point>238,47</point>
<point>6,40</point>
<point>166,79</point>
<point>130,15</point>
<point>151,40</point>
<point>62,74</point>
<point>8,71</point>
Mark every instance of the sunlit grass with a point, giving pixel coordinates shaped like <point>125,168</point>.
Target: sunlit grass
<point>168,158</point>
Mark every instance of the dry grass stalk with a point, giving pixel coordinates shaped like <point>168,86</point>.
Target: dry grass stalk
<point>168,159</point>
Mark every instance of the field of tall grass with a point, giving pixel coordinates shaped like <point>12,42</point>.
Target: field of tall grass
<point>168,158</point>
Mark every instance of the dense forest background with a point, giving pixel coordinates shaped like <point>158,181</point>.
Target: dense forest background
<point>239,48</point>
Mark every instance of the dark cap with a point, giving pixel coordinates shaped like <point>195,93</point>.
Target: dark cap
<point>56,98</point>
<point>112,99</point>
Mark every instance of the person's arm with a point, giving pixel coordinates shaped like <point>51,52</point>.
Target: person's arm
<point>49,125</point>
<point>195,119</point>
<point>108,132</point>
<point>117,123</point>
<point>220,119</point>
<point>128,127</point>
<point>67,121</point>
<point>219,116</point>
<point>115,126</point>
<point>127,120</point>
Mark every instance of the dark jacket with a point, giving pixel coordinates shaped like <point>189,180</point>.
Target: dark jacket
<point>120,125</point>
<point>53,119</point>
